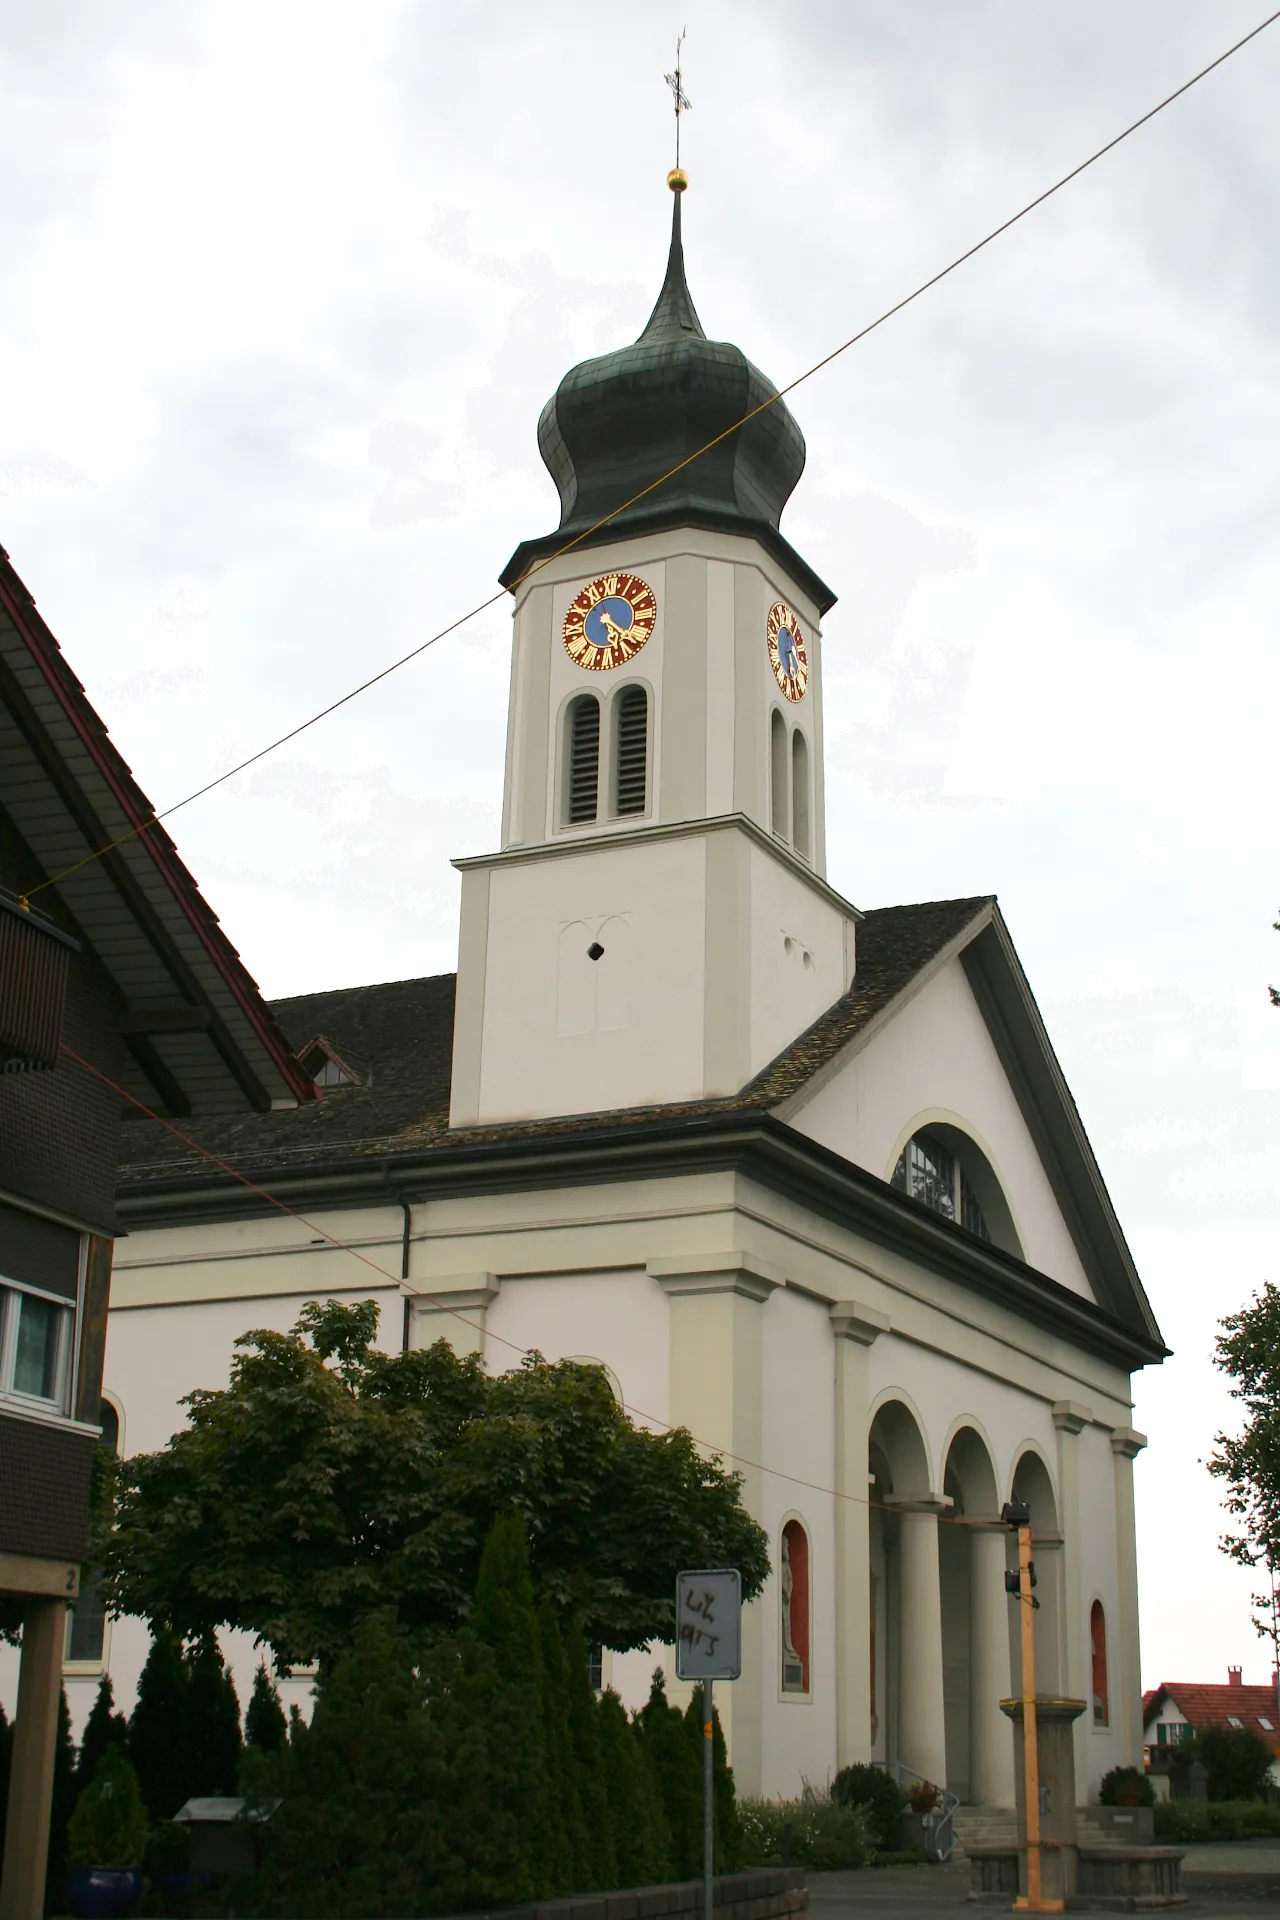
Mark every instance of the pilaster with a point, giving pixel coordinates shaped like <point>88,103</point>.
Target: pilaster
<point>716,1303</point>
<point>854,1328</point>
<point>1070,1420</point>
<point>454,1309</point>
<point>1126,1678</point>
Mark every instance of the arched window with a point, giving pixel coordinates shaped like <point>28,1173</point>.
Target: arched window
<point>793,1585</point>
<point>86,1638</point>
<point>1098,1652</point>
<point>947,1172</point>
<point>631,751</point>
<point>800,793</point>
<point>778,773</point>
<point>583,772</point>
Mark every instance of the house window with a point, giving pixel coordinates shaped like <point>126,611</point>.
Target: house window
<point>632,751</point>
<point>35,1345</point>
<point>1234,1720</point>
<point>793,1585</point>
<point>1098,1651</point>
<point>86,1617</point>
<point>778,774</point>
<point>1265,1724</point>
<point>595,1666</point>
<point>1172,1733</point>
<point>582,785</point>
<point>930,1173</point>
<point>800,793</point>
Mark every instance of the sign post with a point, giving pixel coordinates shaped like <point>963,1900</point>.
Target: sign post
<point>708,1648</point>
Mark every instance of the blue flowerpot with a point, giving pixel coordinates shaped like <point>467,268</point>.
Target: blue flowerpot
<point>103,1893</point>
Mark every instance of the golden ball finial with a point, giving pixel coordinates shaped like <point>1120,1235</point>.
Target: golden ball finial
<point>677,179</point>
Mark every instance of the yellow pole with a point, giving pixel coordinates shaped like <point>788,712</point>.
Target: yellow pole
<point>1035,1901</point>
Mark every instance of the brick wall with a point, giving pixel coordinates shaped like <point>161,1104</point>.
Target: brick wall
<point>44,1489</point>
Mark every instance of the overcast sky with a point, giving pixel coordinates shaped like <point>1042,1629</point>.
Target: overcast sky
<point>284,288</point>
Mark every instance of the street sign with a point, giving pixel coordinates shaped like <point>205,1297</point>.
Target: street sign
<point>709,1624</point>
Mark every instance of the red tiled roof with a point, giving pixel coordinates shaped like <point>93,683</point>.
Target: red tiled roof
<point>1210,1706</point>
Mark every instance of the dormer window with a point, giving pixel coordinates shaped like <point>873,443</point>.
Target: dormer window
<point>326,1068</point>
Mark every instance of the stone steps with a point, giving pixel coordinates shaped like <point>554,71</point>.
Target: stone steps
<point>998,1827</point>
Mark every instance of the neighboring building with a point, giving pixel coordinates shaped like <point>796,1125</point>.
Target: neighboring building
<point>114,976</point>
<point>1177,1710</point>
<point>806,1180</point>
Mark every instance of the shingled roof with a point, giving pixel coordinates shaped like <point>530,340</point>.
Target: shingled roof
<point>1204,1705</point>
<point>403,1030</point>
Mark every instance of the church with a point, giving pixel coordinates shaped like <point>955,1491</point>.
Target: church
<point>804,1178</point>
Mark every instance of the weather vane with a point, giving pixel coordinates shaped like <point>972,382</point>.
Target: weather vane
<point>683,103</point>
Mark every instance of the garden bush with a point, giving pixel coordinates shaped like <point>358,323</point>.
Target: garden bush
<point>1179,1822</point>
<point>1126,1787</point>
<point>875,1789</point>
<point>109,1825</point>
<point>825,1834</point>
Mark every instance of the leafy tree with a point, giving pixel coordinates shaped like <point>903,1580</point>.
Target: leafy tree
<point>104,1728</point>
<point>109,1825</point>
<point>640,1837</point>
<point>265,1726</point>
<point>158,1728</point>
<point>1237,1760</point>
<point>331,1480</point>
<point>404,1795</point>
<point>564,1815</point>
<point>1248,1463</point>
<point>212,1747</point>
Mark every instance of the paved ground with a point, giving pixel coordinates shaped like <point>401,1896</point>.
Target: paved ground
<point>903,1893</point>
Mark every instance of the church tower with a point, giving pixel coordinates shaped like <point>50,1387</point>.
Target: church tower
<point>657,924</point>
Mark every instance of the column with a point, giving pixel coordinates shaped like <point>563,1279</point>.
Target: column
<point>452,1307</point>
<point>1123,1649</point>
<point>717,1391</point>
<point>26,1845</point>
<point>991,1782</point>
<point>922,1740</point>
<point>1070,1420</point>
<point>855,1328</point>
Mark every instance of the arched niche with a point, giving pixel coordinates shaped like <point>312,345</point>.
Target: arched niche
<point>795,1609</point>
<point>1099,1678</point>
<point>899,1468</point>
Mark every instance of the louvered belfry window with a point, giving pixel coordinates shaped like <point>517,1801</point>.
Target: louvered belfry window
<point>34,957</point>
<point>584,759</point>
<point>633,750</point>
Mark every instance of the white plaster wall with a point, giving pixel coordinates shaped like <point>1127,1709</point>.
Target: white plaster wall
<point>636,1016</point>
<point>799,1734</point>
<point>798,947</point>
<point>935,1060</point>
<point>1102,1747</point>
<point>619,1317</point>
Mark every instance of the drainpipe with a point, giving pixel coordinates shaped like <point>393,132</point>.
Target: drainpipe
<point>407,1213</point>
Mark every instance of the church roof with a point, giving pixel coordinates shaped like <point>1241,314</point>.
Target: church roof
<point>618,423</point>
<point>390,1132</point>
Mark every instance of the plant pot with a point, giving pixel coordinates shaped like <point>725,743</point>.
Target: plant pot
<point>915,1834</point>
<point>103,1893</point>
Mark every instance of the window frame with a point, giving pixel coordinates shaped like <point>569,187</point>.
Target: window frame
<point>12,1398</point>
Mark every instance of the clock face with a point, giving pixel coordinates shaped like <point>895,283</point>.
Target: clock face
<point>609,621</point>
<point>788,655</point>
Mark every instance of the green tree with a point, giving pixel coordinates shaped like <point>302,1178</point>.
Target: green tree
<point>506,1620</point>
<point>158,1728</point>
<point>403,1797</point>
<point>1248,1463</point>
<point>6,1753</point>
<point>64,1792</point>
<point>1237,1760</point>
<point>109,1825</point>
<point>677,1765</point>
<point>104,1728</point>
<point>724,1799</point>
<point>212,1753</point>
<point>639,1825</point>
<point>564,1815</point>
<point>598,1863</point>
<point>265,1726</point>
<point>330,1480</point>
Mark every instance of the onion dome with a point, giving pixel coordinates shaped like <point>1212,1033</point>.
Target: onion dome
<point>617,424</point>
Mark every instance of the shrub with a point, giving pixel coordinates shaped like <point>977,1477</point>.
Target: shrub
<point>1239,1762</point>
<point>1180,1822</point>
<point>109,1825</point>
<point>1126,1787</point>
<point>825,1834</point>
<point>875,1789</point>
